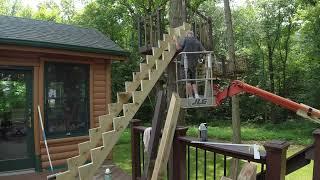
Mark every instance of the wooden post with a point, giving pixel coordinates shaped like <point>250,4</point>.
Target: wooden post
<point>159,24</point>
<point>235,101</point>
<point>184,10</point>
<point>316,166</point>
<point>276,159</point>
<point>157,122</point>
<point>139,31</point>
<point>177,14</point>
<point>179,156</point>
<point>145,32</point>
<point>210,31</point>
<point>248,172</point>
<point>167,138</point>
<point>135,150</point>
<point>151,30</point>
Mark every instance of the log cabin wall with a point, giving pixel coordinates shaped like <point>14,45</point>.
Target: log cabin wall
<point>99,91</point>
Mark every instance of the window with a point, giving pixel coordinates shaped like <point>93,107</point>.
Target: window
<point>66,99</point>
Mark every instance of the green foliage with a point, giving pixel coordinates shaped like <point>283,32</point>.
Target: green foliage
<point>13,95</point>
<point>295,130</point>
<point>285,32</point>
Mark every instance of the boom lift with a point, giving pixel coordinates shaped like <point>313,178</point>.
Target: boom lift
<point>238,87</point>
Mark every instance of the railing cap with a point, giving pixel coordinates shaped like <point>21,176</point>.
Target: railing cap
<point>316,132</point>
<point>181,130</point>
<point>135,121</point>
<point>276,145</point>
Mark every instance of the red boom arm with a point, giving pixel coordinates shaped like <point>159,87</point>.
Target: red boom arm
<point>237,87</point>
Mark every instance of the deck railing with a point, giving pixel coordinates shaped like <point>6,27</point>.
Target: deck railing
<point>151,27</point>
<point>150,30</point>
<point>203,161</point>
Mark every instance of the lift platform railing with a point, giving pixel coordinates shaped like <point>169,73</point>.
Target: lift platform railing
<point>203,84</point>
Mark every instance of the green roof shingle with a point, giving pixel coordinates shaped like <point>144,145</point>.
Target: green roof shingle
<point>36,33</point>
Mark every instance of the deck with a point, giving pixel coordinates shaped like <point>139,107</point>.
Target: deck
<point>117,174</point>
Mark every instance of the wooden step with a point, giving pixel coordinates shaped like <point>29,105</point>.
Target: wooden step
<point>128,86</point>
<point>160,64</point>
<point>115,107</point>
<point>144,67</point>
<point>171,31</point>
<point>168,38</point>
<point>145,85</point>
<point>137,76</point>
<point>123,97</point>
<point>84,147</point>
<point>137,96</point>
<point>98,156</point>
<point>172,49</point>
<point>75,162</point>
<point>106,122</point>
<point>165,55</point>
<point>186,26</point>
<point>163,44</point>
<point>181,32</point>
<point>117,123</point>
<point>150,60</point>
<point>95,152</point>
<point>129,108</point>
<point>156,52</point>
<point>65,175</point>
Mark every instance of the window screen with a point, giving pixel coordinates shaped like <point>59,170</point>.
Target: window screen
<point>66,99</point>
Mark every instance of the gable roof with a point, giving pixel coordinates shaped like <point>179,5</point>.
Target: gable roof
<point>36,33</point>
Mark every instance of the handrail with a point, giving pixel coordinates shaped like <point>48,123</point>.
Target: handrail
<point>274,164</point>
<point>232,151</point>
<point>238,152</point>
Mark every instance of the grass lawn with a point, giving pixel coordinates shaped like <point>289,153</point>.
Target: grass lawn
<point>299,133</point>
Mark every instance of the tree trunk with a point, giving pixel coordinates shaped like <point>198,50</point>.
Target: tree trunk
<point>177,15</point>
<point>271,78</point>
<point>235,100</point>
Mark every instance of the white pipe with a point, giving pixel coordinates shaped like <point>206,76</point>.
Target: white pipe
<point>44,137</point>
<point>255,147</point>
<point>209,61</point>
<point>197,52</point>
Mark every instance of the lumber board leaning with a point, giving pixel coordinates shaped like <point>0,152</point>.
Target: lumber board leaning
<point>157,120</point>
<point>248,172</point>
<point>167,138</point>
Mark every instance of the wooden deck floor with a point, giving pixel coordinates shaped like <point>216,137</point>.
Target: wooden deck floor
<point>117,174</point>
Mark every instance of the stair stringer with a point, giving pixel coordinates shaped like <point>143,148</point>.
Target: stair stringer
<point>106,121</point>
<point>99,154</point>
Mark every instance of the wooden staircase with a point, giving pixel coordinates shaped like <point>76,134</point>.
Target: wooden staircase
<point>121,112</point>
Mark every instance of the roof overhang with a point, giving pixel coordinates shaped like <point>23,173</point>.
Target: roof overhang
<point>53,48</point>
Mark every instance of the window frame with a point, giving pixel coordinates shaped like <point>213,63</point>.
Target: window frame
<point>66,134</point>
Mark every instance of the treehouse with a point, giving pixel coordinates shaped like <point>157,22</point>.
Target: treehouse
<point>63,69</point>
